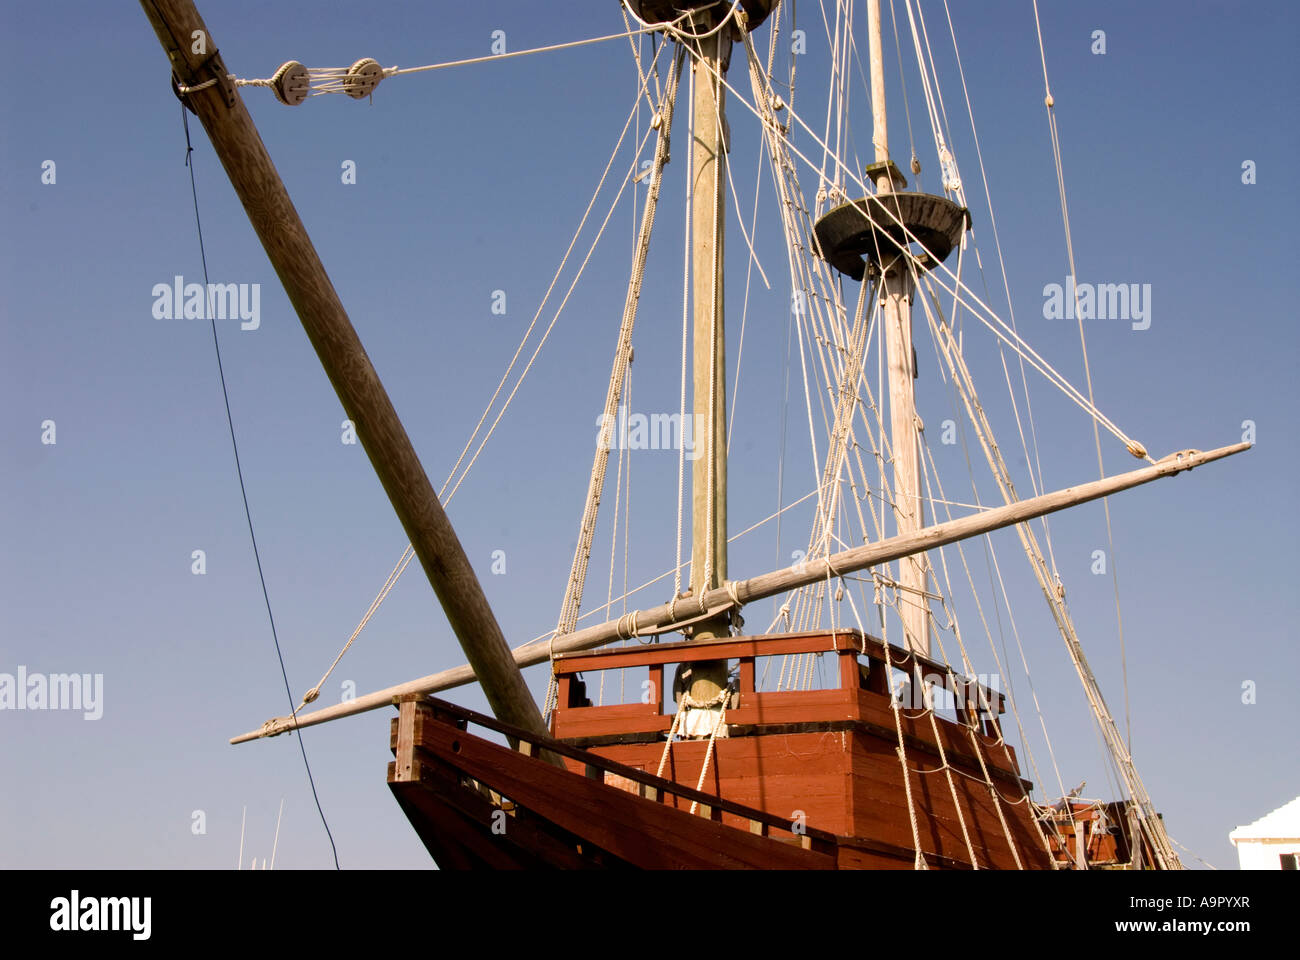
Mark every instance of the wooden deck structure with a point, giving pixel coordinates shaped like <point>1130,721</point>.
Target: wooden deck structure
<point>804,778</point>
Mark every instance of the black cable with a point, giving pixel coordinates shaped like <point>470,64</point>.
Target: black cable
<point>189,149</point>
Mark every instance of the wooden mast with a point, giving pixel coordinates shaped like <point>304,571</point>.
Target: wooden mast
<point>776,582</point>
<point>896,300</point>
<point>195,61</point>
<point>708,230</point>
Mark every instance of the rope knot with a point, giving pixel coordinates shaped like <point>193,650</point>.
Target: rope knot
<point>714,701</point>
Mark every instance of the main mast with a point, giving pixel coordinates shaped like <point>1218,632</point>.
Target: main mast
<point>896,302</point>
<point>710,56</point>
<point>708,429</point>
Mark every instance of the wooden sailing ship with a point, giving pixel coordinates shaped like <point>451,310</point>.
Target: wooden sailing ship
<point>705,767</point>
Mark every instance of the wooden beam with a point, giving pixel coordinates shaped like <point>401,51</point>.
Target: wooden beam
<point>708,232</point>
<point>709,363</point>
<point>192,53</point>
<point>779,581</point>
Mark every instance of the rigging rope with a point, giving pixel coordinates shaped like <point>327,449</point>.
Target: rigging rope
<point>895,698</point>
<point>443,493</point>
<point>1050,103</point>
<point>907,111</point>
<point>243,491</point>
<point>1054,594</point>
<point>622,357</point>
<point>985,313</point>
<point>348,80</point>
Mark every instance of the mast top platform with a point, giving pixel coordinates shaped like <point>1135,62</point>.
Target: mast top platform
<point>662,11</point>
<point>874,228</point>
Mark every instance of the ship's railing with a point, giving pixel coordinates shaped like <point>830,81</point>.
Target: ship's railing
<point>647,785</point>
<point>973,701</point>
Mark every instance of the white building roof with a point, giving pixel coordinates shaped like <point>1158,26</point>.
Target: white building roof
<point>1282,824</point>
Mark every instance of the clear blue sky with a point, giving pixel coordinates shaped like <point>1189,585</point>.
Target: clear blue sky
<point>472,180</point>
